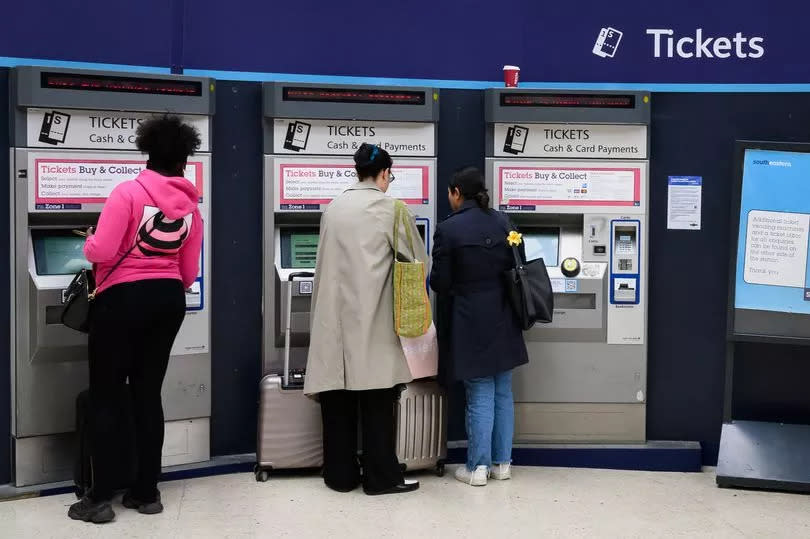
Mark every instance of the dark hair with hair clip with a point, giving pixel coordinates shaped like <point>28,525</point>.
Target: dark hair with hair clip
<point>168,142</point>
<point>470,183</point>
<point>370,160</point>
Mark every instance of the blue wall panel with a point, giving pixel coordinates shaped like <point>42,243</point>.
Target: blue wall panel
<point>472,39</point>
<point>236,218</point>
<point>694,134</point>
<point>137,33</point>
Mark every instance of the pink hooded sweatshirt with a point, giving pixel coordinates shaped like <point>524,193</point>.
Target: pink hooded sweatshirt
<point>161,214</point>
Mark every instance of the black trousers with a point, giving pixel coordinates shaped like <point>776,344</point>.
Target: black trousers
<point>341,470</point>
<point>132,329</point>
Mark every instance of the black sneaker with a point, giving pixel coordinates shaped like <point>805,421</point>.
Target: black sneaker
<point>145,508</point>
<point>87,510</point>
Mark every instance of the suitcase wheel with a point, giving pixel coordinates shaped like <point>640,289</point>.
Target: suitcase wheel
<point>262,474</point>
<point>440,468</point>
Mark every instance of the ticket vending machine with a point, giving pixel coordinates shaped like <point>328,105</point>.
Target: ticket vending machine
<point>310,135</point>
<point>570,169</point>
<point>73,133</point>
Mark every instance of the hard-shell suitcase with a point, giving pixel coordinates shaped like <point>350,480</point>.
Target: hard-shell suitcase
<point>421,426</point>
<point>123,444</point>
<point>290,431</point>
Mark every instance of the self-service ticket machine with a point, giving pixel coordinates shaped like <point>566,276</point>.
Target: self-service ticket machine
<point>73,134</point>
<point>570,168</point>
<point>310,135</point>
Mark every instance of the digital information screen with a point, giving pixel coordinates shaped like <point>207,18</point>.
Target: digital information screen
<point>352,95</point>
<point>542,243</point>
<point>584,101</point>
<point>58,252</point>
<point>299,248</point>
<point>772,247</point>
<point>116,83</point>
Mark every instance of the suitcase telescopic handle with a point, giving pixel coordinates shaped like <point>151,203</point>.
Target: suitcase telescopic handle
<point>290,279</point>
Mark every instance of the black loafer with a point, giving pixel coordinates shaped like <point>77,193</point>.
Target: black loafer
<point>396,489</point>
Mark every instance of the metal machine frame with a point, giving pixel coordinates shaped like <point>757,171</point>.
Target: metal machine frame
<point>48,367</point>
<point>341,103</point>
<point>584,381</point>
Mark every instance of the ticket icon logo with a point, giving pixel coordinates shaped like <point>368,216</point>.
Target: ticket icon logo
<point>607,42</point>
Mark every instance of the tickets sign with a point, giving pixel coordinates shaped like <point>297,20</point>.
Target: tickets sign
<point>594,141</point>
<point>95,129</point>
<point>59,181</point>
<point>305,184</point>
<point>569,186</point>
<point>343,137</point>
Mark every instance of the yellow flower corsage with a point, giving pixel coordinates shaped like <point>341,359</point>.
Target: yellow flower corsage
<point>514,238</point>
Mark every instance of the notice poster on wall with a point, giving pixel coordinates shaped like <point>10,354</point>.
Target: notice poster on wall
<point>65,181</point>
<point>548,184</point>
<point>772,248</point>
<point>311,184</point>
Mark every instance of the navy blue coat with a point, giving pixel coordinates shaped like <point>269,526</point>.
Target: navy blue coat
<point>478,332</point>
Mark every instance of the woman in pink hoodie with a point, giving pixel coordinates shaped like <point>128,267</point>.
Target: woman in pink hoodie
<point>145,253</point>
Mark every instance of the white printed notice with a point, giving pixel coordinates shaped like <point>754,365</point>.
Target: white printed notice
<point>684,201</point>
<point>569,186</point>
<point>90,181</point>
<point>305,185</point>
<point>776,248</point>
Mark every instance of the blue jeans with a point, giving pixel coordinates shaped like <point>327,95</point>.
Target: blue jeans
<point>490,420</point>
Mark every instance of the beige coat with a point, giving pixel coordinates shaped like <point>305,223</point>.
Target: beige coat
<point>352,342</point>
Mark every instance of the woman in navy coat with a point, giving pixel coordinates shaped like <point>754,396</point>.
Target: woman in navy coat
<point>480,340</point>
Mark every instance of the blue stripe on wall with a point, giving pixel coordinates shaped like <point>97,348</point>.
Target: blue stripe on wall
<point>10,61</point>
<point>480,85</point>
<point>6,61</point>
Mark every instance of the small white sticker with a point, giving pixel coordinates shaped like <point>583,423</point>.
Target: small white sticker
<point>640,396</point>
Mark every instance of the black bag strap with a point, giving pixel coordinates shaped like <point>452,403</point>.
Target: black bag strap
<point>129,251</point>
<point>118,263</point>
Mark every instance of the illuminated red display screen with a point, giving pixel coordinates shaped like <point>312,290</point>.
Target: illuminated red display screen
<point>586,101</point>
<point>110,83</point>
<point>343,95</point>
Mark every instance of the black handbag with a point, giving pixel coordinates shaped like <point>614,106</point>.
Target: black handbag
<point>529,291</point>
<point>80,293</point>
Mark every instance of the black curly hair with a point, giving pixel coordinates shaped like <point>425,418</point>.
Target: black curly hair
<point>168,142</point>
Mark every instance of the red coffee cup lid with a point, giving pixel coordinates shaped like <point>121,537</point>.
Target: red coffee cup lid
<point>511,68</point>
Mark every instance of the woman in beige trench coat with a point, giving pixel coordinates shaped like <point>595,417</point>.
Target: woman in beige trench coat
<point>355,357</point>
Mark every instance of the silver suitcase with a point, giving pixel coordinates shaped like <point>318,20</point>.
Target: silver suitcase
<point>290,430</point>
<point>421,426</point>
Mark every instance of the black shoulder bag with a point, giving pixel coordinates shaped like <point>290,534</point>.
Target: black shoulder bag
<point>529,291</point>
<point>80,293</point>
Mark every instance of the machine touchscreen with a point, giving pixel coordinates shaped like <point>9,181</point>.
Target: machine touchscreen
<point>58,252</point>
<point>299,247</point>
<point>542,243</point>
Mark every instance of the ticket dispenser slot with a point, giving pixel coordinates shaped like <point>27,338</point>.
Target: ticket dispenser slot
<point>625,262</point>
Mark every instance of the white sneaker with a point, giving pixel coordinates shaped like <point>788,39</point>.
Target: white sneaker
<point>476,478</point>
<point>501,472</point>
